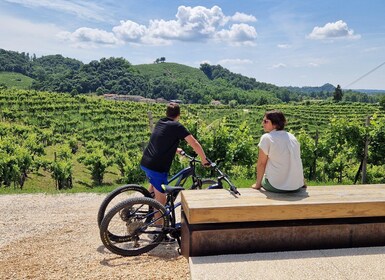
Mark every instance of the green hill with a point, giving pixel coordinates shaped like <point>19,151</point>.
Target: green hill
<point>16,80</point>
<point>172,71</point>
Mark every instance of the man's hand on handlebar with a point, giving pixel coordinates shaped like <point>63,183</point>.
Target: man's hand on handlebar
<point>206,162</point>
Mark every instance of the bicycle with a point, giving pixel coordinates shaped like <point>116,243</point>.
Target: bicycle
<point>134,190</point>
<point>139,224</point>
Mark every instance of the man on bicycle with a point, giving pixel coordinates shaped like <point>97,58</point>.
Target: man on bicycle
<point>160,151</point>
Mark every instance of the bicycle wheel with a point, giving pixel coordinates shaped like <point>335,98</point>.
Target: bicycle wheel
<point>118,195</point>
<point>134,224</point>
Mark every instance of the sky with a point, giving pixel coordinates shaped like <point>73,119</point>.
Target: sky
<point>286,43</point>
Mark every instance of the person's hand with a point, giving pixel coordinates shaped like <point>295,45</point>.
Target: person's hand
<point>206,163</point>
<point>179,151</point>
<point>256,186</point>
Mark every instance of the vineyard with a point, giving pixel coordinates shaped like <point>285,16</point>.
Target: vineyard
<point>71,142</point>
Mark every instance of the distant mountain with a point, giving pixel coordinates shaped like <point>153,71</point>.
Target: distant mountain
<point>370,91</point>
<point>325,88</point>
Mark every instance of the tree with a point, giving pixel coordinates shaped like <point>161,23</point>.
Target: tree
<point>382,102</point>
<point>337,95</point>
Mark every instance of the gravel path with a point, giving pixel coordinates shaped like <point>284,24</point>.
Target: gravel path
<point>56,237</point>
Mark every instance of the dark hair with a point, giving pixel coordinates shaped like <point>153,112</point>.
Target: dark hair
<point>173,110</point>
<point>277,118</point>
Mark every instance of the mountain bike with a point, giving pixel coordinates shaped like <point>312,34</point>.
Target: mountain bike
<point>134,190</point>
<point>137,225</point>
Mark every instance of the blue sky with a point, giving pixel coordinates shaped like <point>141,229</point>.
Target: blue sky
<point>287,43</point>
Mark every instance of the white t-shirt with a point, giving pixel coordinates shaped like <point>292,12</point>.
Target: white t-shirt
<point>284,168</point>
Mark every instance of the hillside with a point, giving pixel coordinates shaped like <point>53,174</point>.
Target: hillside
<point>202,85</point>
<point>171,70</point>
<point>15,80</point>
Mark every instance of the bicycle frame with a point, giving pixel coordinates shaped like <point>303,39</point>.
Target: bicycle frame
<point>145,215</point>
<point>182,175</point>
<point>174,228</point>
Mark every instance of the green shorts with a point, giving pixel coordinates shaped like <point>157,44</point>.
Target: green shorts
<point>267,186</point>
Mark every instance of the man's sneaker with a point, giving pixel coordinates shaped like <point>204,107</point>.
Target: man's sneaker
<point>166,239</point>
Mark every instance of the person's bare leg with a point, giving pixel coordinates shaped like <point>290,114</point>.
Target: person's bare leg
<point>151,190</point>
<point>161,198</point>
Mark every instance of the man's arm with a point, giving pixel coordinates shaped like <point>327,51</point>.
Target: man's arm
<point>197,148</point>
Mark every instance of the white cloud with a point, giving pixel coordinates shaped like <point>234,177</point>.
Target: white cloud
<point>191,24</point>
<point>241,17</point>
<point>284,46</point>
<point>238,34</point>
<point>333,30</point>
<point>89,37</point>
<point>313,64</point>
<point>236,61</point>
<point>19,31</point>
<point>278,65</point>
<point>201,17</point>
<point>82,9</point>
<point>129,31</point>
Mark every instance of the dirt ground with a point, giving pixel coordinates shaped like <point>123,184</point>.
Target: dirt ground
<point>56,237</point>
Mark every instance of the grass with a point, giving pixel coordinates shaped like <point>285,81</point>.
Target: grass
<point>15,80</point>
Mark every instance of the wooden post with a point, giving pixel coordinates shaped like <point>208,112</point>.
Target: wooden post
<point>365,159</point>
<point>56,180</point>
<point>151,121</point>
<point>314,171</point>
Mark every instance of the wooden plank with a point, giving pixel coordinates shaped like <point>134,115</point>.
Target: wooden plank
<point>321,202</point>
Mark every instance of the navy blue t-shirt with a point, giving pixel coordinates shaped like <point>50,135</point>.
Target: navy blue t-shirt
<point>164,141</point>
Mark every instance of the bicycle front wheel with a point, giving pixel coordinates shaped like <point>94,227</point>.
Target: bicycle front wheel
<point>118,195</point>
<point>136,226</point>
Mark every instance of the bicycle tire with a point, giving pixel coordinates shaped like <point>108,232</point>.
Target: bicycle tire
<point>140,235</point>
<point>123,192</point>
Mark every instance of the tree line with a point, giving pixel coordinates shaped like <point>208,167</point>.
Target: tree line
<point>56,73</point>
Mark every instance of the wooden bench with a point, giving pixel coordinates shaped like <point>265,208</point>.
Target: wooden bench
<point>215,222</point>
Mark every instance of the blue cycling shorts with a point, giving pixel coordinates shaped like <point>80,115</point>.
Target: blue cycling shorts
<point>156,178</point>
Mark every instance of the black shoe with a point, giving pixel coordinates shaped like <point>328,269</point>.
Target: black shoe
<point>166,239</point>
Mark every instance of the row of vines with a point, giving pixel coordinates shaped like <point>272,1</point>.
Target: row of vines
<point>100,134</point>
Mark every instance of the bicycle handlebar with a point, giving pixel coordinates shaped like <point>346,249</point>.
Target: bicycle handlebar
<point>214,166</point>
<point>233,189</point>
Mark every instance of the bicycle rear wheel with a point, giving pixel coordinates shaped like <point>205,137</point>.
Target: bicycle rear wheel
<point>118,195</point>
<point>133,226</point>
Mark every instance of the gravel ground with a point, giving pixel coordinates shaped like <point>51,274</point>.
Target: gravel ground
<point>56,237</point>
